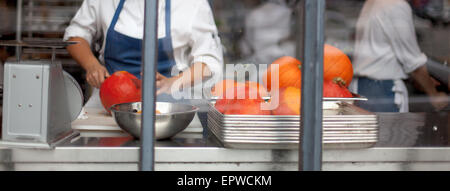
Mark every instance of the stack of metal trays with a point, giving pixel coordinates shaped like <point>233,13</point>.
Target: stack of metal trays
<point>345,127</point>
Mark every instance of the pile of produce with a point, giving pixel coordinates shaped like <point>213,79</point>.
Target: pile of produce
<point>240,98</point>
<point>338,73</point>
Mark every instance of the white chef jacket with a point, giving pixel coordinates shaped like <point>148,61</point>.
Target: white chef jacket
<point>267,29</point>
<point>386,47</point>
<point>194,33</point>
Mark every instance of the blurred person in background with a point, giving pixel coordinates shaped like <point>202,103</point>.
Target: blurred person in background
<point>268,32</point>
<point>386,53</point>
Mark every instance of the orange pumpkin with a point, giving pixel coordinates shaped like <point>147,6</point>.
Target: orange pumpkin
<point>219,89</point>
<point>121,87</point>
<point>289,102</point>
<point>335,89</point>
<point>241,103</point>
<point>289,73</point>
<point>262,91</point>
<point>337,66</point>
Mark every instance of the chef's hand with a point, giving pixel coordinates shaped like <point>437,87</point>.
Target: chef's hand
<point>96,75</point>
<point>164,84</point>
<point>439,101</point>
<point>82,53</point>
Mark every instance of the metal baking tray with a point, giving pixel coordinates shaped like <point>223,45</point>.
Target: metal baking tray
<point>284,134</point>
<point>329,103</point>
<point>291,132</point>
<point>238,144</point>
<point>280,125</point>
<point>342,121</point>
<point>292,144</point>
<point>349,127</point>
<point>328,143</point>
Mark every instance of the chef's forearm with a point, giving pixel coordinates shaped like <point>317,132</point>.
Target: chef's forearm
<point>82,53</point>
<point>422,77</point>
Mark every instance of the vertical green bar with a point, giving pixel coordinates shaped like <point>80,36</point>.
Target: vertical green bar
<point>149,59</point>
<point>310,150</point>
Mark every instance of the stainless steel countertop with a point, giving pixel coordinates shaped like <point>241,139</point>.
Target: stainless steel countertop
<point>410,141</point>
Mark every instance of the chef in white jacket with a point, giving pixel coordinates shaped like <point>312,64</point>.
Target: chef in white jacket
<point>188,39</point>
<point>386,53</point>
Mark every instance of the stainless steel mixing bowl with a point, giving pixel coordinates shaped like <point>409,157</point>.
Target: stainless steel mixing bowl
<point>173,119</point>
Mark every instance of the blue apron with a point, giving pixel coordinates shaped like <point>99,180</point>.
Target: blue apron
<point>379,93</point>
<point>124,53</point>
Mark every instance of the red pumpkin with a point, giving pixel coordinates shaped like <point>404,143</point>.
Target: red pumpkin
<point>241,103</point>
<point>337,66</point>
<point>288,101</point>
<point>289,73</point>
<point>245,107</point>
<point>121,87</point>
<point>335,89</point>
<point>221,105</point>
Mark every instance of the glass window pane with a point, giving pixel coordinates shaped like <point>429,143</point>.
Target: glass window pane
<point>399,51</point>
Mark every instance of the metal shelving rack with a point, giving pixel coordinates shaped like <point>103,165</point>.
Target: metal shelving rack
<point>44,20</point>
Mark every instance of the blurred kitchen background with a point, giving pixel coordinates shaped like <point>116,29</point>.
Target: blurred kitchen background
<point>252,31</point>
